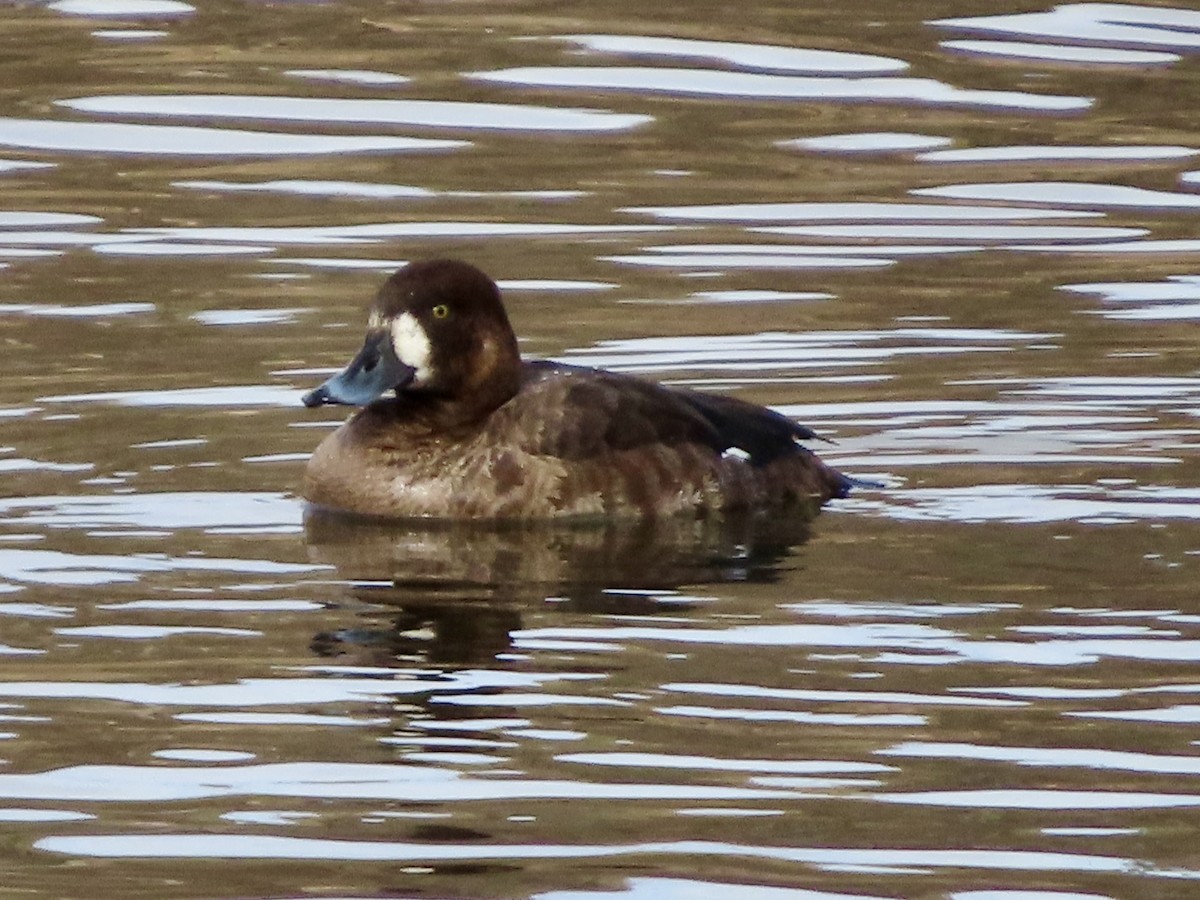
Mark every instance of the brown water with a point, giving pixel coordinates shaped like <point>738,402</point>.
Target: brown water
<point>967,250</point>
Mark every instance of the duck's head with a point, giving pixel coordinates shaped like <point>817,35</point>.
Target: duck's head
<point>437,329</point>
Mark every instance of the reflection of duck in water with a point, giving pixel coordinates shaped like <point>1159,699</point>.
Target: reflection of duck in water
<point>455,591</point>
<point>475,432</point>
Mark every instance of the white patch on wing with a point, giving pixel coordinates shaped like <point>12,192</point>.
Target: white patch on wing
<point>735,453</point>
<point>412,346</point>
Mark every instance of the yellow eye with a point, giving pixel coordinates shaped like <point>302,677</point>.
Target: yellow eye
<point>441,311</point>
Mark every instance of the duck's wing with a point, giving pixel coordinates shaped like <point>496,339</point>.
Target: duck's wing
<point>574,412</point>
<point>761,432</point>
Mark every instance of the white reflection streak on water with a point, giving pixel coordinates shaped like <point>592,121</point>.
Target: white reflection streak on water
<point>958,232</point>
<point>351,76</point>
<point>1030,504</point>
<point>891,643</point>
<point>867,142</point>
<point>890,697</point>
<point>1052,420</point>
<point>854,212</point>
<point>265,240</point>
<point>123,8</point>
<point>1065,193</point>
<point>244,846</point>
<point>731,251</point>
<point>700,763</point>
<point>304,692</point>
<point>69,569</point>
<point>174,510</point>
<point>222,397</point>
<point>96,310</point>
<point>763,57</point>
<point>368,233</point>
<point>151,632</point>
<point>1046,153</point>
<point>129,34</point>
<point>713,83</point>
<point>1051,757</point>
<point>1018,798</point>
<point>423,113</point>
<point>717,262</point>
<point>1057,53</point>
<point>783,350</point>
<point>367,190</point>
<point>1176,297</point>
<point>329,780</point>
<point>1098,23</point>
<point>20,219</point>
<point>185,140</point>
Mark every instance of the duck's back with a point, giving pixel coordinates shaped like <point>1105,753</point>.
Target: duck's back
<point>573,442</point>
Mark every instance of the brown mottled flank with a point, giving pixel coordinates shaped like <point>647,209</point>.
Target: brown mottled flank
<point>490,436</point>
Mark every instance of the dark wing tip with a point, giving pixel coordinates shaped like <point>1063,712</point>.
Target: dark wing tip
<point>763,433</point>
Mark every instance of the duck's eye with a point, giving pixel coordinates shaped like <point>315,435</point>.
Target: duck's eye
<point>441,311</point>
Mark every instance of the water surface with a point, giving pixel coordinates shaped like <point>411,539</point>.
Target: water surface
<point>959,241</point>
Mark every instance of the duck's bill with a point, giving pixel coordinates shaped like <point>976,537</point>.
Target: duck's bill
<point>370,375</point>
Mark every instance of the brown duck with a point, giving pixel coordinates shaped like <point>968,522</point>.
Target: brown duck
<point>467,429</point>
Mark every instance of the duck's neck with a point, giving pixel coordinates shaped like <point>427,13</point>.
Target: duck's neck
<point>446,416</point>
<point>494,381</point>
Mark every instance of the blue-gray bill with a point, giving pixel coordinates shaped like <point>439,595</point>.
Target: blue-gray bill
<point>372,373</point>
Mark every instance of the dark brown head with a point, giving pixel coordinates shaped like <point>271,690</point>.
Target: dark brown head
<point>438,331</point>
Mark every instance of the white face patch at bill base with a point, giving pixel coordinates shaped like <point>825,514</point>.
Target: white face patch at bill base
<point>412,347</point>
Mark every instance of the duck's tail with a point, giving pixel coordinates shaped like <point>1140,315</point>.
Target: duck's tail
<point>848,483</point>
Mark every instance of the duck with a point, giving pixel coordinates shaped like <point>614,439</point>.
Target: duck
<point>453,424</point>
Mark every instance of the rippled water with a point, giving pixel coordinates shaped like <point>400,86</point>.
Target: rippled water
<point>960,241</point>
